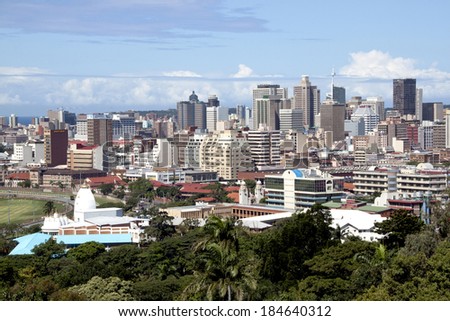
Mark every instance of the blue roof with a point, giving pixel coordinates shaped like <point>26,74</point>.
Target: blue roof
<point>298,173</point>
<point>28,242</point>
<point>100,238</point>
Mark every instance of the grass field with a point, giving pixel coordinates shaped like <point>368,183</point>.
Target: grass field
<point>23,210</point>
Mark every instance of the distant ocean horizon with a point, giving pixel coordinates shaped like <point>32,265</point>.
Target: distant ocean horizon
<point>25,120</point>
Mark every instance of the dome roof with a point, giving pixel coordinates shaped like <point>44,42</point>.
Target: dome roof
<point>85,200</point>
<point>425,166</point>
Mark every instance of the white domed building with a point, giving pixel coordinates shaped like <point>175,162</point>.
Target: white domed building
<point>92,221</point>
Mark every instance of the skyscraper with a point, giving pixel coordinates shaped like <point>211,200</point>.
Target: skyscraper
<point>332,116</point>
<point>193,112</point>
<point>405,96</point>
<point>55,147</point>
<point>99,129</point>
<point>307,98</point>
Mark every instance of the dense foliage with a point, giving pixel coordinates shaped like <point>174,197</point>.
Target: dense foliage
<point>300,258</point>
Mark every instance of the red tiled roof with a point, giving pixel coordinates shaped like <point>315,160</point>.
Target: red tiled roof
<point>195,188</point>
<point>234,197</point>
<point>231,189</point>
<point>97,181</point>
<point>19,176</point>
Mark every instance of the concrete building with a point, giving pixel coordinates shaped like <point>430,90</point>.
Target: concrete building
<point>404,96</point>
<point>332,117</point>
<point>368,115</point>
<point>226,152</point>
<point>83,156</point>
<point>99,129</point>
<point>264,147</point>
<point>433,111</point>
<point>300,188</point>
<point>123,126</point>
<point>307,98</point>
<point>291,119</point>
<point>192,149</point>
<point>55,147</point>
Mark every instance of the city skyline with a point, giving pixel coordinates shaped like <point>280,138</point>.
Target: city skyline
<point>116,55</point>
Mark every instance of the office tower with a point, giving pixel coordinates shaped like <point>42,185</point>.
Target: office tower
<point>265,90</point>
<point>55,147</point>
<point>419,101</point>
<point>332,116</point>
<point>99,129</point>
<point>226,152</point>
<point>369,116</point>
<point>213,101</point>
<point>291,119</point>
<point>3,121</point>
<point>404,97</point>
<point>377,105</point>
<point>164,128</point>
<point>265,147</point>
<point>438,135</point>
<point>240,113</point>
<point>339,95</point>
<point>307,98</point>
<point>82,128</point>
<point>211,118</point>
<point>447,128</point>
<point>123,126</point>
<point>13,121</point>
<point>266,111</point>
<point>249,117</point>
<point>192,150</point>
<point>433,111</point>
<point>80,156</point>
<point>191,113</point>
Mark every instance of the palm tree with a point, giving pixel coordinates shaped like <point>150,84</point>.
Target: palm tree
<point>49,207</point>
<point>226,272</point>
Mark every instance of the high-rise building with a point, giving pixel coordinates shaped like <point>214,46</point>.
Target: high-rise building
<point>339,95</point>
<point>123,126</point>
<point>404,96</point>
<point>192,113</point>
<point>99,129</point>
<point>433,111</point>
<point>266,112</point>
<point>226,152</point>
<point>419,101</point>
<point>82,128</point>
<point>369,116</point>
<point>211,118</point>
<point>332,116</point>
<point>447,128</point>
<point>213,101</point>
<point>291,119</point>
<point>267,101</point>
<point>55,147</point>
<point>307,98</point>
<point>377,105</point>
<point>264,147</point>
<point>13,121</point>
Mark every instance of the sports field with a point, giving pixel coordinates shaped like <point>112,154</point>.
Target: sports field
<point>23,210</point>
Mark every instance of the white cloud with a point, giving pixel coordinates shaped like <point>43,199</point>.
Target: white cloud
<point>21,71</point>
<point>244,72</point>
<point>378,64</point>
<point>6,99</point>
<point>181,74</point>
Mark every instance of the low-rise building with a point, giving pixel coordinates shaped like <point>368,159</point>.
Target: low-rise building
<point>299,188</point>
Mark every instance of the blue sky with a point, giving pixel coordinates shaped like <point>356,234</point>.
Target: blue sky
<point>105,55</point>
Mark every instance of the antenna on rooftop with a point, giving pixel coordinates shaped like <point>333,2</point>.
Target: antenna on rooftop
<point>332,82</point>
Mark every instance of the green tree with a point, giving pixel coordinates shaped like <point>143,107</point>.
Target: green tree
<point>225,272</point>
<point>86,251</point>
<point>106,189</point>
<point>109,289</point>
<point>49,249</point>
<point>285,248</point>
<point>395,229</point>
<point>218,192</point>
<point>160,226</point>
<point>49,207</point>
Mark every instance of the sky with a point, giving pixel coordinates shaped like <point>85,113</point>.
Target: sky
<point>115,55</point>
